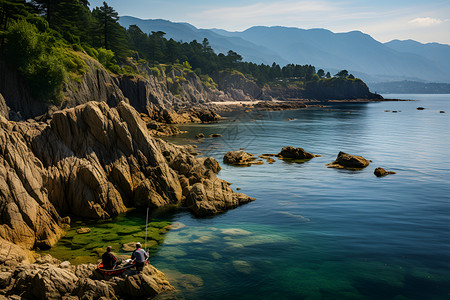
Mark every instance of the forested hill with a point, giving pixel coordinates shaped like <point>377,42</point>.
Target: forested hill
<point>45,40</point>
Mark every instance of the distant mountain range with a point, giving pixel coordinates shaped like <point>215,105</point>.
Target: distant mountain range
<point>354,51</point>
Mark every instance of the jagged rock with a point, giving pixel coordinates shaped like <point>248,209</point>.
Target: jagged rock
<point>215,135</point>
<point>85,270</point>
<point>204,115</point>
<point>295,153</point>
<point>11,254</point>
<point>148,283</point>
<point>18,96</point>
<point>43,281</point>
<point>238,87</point>
<point>52,283</point>
<point>47,259</point>
<point>200,136</point>
<point>349,161</point>
<point>238,158</point>
<point>91,161</point>
<point>49,281</point>
<point>4,109</point>
<point>94,289</point>
<point>380,172</point>
<point>5,279</point>
<point>97,84</point>
<point>213,196</point>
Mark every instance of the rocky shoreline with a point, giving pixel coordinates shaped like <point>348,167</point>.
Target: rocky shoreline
<point>95,155</point>
<point>91,161</point>
<point>49,278</point>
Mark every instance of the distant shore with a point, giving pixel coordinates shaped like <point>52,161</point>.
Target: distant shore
<point>287,104</point>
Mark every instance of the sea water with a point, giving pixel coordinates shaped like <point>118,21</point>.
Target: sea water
<point>320,233</point>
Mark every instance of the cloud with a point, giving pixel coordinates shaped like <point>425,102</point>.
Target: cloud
<point>426,22</point>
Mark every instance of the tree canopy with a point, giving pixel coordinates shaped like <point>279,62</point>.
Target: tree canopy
<point>62,26</point>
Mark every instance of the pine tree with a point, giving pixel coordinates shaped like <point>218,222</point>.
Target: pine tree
<point>107,17</point>
<point>9,10</point>
<point>112,36</point>
<point>69,17</point>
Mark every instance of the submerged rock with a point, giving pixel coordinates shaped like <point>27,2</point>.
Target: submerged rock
<point>83,230</point>
<point>349,161</point>
<point>295,153</point>
<point>380,172</point>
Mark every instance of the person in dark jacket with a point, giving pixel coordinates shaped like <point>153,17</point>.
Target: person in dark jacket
<point>108,259</point>
<point>139,256</point>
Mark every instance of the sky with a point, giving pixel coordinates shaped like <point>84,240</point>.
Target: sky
<point>421,20</point>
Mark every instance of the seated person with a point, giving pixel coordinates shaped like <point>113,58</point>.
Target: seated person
<point>140,256</point>
<point>108,259</point>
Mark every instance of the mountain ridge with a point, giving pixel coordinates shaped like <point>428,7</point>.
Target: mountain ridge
<point>355,51</point>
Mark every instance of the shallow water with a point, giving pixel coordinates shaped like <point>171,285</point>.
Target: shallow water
<point>320,233</point>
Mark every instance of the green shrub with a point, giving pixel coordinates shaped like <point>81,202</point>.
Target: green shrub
<point>46,76</point>
<point>155,71</point>
<point>77,47</point>
<point>23,44</point>
<point>107,59</point>
<point>187,65</point>
<point>92,52</point>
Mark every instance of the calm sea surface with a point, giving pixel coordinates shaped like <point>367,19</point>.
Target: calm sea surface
<point>320,233</point>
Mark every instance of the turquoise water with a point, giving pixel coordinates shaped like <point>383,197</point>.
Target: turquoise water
<point>320,233</point>
<point>313,232</point>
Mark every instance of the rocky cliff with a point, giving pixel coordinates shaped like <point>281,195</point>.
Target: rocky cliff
<point>239,87</point>
<point>94,161</point>
<point>324,90</point>
<point>161,96</point>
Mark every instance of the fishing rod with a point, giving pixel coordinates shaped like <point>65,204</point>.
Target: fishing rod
<point>146,225</point>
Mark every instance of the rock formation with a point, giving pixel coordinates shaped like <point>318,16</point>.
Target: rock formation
<point>4,109</point>
<point>295,153</point>
<point>380,172</point>
<point>94,161</point>
<point>349,161</point>
<point>239,158</point>
<point>49,278</point>
<point>238,87</point>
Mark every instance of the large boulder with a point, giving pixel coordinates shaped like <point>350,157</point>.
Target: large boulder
<point>43,281</point>
<point>349,161</point>
<point>295,153</point>
<point>12,255</point>
<point>214,196</point>
<point>148,283</point>
<point>94,289</point>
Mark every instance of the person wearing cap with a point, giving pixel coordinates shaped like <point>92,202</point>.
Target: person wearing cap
<point>139,256</point>
<point>108,259</point>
